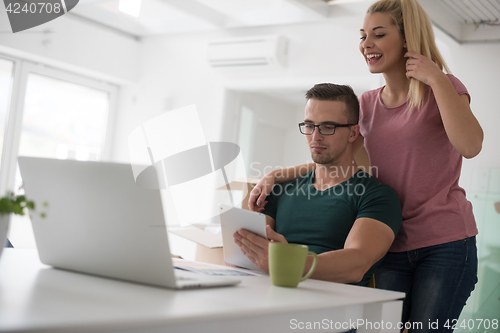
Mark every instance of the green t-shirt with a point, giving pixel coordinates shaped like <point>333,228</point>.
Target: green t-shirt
<point>322,219</point>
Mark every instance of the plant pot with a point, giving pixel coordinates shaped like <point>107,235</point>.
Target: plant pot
<point>4,227</point>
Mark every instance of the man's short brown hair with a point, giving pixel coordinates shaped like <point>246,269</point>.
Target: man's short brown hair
<point>337,92</point>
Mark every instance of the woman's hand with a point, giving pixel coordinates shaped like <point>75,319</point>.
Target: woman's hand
<point>461,126</point>
<point>422,68</point>
<point>256,202</point>
<point>259,193</point>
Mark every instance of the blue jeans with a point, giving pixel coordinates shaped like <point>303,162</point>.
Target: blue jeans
<point>437,281</point>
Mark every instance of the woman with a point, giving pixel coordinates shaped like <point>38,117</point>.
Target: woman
<point>416,129</point>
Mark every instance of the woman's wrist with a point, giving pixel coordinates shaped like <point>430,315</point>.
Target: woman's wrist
<point>272,174</point>
<point>437,80</point>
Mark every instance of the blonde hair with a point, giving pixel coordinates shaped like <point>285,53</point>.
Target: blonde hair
<point>415,26</point>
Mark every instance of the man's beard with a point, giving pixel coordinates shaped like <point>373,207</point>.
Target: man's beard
<point>322,158</point>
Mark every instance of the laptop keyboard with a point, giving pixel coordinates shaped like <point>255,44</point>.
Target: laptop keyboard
<point>213,271</point>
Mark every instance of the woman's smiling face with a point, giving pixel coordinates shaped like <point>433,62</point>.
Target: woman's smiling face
<point>382,44</point>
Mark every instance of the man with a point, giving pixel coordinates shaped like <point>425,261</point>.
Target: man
<point>342,213</point>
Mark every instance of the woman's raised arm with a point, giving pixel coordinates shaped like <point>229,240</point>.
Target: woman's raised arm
<point>256,202</point>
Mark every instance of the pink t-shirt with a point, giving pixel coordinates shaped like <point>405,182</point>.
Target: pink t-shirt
<point>413,155</point>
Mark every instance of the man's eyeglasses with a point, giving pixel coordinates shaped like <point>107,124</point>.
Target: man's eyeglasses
<point>324,129</point>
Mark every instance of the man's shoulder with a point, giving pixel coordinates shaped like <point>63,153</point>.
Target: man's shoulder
<point>361,176</point>
<point>379,202</point>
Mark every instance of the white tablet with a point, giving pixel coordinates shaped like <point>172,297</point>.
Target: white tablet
<point>233,219</point>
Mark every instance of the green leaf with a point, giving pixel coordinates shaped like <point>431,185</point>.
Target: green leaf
<point>17,204</point>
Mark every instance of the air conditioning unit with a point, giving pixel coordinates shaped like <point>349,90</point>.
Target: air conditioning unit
<point>250,52</point>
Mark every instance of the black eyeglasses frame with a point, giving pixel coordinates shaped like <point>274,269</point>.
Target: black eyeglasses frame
<point>319,129</point>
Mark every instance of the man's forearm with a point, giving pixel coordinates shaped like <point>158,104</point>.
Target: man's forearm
<point>343,266</point>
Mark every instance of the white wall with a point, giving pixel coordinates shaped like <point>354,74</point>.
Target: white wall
<point>296,149</point>
<point>476,65</point>
<point>79,46</point>
<point>174,72</point>
<point>276,138</point>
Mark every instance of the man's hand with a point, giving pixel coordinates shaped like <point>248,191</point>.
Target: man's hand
<point>256,247</point>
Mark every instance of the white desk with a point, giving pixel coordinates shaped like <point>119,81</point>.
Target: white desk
<point>37,298</point>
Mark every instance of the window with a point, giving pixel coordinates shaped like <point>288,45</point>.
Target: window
<point>53,114</point>
<point>6,73</point>
<point>63,120</point>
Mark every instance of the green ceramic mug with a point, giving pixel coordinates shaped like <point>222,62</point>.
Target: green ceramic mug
<point>287,262</point>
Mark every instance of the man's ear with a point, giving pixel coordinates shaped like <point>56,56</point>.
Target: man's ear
<point>353,135</point>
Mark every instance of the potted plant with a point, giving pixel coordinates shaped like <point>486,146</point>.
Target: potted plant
<point>12,204</point>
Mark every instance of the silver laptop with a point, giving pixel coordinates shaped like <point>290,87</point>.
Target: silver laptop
<point>98,221</point>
